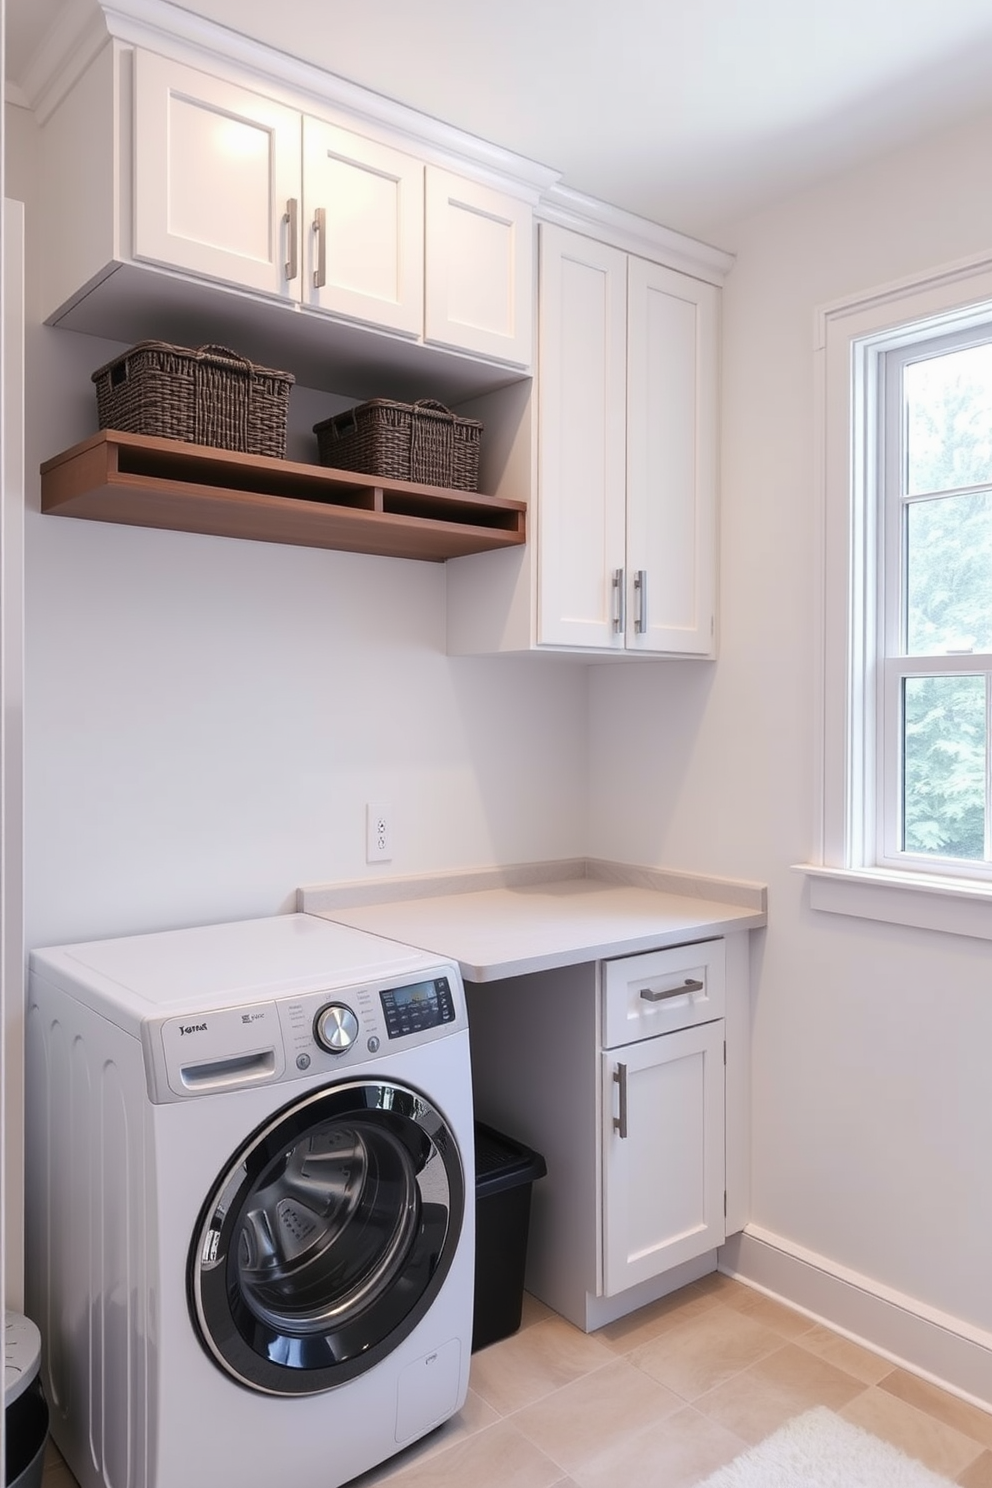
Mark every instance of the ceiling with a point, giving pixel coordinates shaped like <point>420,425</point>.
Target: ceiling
<point>690,112</point>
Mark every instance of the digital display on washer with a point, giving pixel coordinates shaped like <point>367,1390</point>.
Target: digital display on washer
<point>420,1005</point>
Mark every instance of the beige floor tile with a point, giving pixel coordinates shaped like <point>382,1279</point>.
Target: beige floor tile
<point>808,1379</point>
<point>940,1447</point>
<point>527,1366</point>
<point>765,1310</point>
<point>650,1322</point>
<point>676,1453</point>
<point>533,1311</point>
<point>850,1357</point>
<point>776,1388</point>
<point>716,1284</point>
<point>979,1474</point>
<point>748,1406</point>
<point>967,1419</point>
<point>498,1457</point>
<point>596,1414</point>
<point>704,1351</point>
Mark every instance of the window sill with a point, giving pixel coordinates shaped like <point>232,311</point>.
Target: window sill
<point>925,901</point>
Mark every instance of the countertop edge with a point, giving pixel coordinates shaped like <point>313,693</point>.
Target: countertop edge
<point>324,898</point>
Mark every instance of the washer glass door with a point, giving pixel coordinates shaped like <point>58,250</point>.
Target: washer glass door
<point>328,1238</point>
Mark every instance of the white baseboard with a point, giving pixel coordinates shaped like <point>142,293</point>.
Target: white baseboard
<point>944,1350</point>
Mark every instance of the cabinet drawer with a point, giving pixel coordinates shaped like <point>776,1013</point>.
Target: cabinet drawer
<point>660,991</point>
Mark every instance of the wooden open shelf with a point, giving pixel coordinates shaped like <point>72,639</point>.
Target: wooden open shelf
<point>145,482</point>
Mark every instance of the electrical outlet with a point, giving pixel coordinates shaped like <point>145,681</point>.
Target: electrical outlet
<point>378,833</point>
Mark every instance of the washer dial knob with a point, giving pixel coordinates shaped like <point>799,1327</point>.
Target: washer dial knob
<point>335,1028</point>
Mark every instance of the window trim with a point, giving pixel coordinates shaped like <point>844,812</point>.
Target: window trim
<point>839,878</point>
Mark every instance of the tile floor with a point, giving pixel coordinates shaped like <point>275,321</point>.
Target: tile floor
<point>665,1396</point>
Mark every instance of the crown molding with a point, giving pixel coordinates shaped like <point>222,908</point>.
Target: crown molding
<point>173,31</point>
<point>638,235</point>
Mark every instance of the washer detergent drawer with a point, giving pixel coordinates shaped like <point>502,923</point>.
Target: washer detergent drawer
<point>661,991</point>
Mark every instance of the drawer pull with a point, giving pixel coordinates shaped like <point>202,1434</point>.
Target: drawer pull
<point>620,1078</point>
<point>653,994</point>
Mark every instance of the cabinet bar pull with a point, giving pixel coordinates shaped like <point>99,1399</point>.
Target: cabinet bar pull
<point>654,994</point>
<point>320,228</point>
<point>292,221</point>
<point>619,602</point>
<point>620,1078</point>
<point>641,594</point>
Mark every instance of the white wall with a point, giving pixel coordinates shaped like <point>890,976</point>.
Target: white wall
<point>206,718</point>
<point>872,1044</point>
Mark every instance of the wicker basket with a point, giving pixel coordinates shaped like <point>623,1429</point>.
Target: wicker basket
<point>209,396</point>
<point>421,441</point>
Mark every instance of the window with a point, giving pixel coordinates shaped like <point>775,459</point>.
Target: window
<point>933,674</point>
<point>907,604</point>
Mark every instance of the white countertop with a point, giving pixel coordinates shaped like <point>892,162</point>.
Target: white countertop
<point>516,928</point>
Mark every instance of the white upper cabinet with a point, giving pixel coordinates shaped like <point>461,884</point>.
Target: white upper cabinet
<point>479,272</point>
<point>672,364</point>
<point>363,220</point>
<point>581,531</point>
<point>627,451</point>
<point>210,178</point>
<point>215,167</point>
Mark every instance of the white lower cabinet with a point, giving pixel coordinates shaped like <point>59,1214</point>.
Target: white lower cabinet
<point>663,1154</point>
<point>614,1071</point>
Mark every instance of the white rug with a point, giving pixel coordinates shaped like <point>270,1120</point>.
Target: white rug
<point>820,1450</point>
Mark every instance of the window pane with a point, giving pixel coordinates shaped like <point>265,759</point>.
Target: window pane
<point>949,420</point>
<point>949,575</point>
<point>944,766</point>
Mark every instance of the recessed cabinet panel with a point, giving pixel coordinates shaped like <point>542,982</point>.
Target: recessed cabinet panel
<point>671,441</point>
<point>581,441</point>
<point>478,269</point>
<point>663,1167</point>
<point>365,253</point>
<point>214,168</point>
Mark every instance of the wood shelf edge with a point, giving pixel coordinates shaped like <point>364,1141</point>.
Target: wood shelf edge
<point>194,488</point>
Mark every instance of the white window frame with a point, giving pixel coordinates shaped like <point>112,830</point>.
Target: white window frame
<point>850,873</point>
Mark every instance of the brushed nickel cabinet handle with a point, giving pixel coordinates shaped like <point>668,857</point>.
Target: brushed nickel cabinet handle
<point>641,594</point>
<point>292,221</point>
<point>653,994</point>
<point>620,1078</point>
<point>320,228</point>
<point>619,602</point>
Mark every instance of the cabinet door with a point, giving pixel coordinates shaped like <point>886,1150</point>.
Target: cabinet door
<point>663,1181</point>
<point>366,260</point>
<point>216,168</point>
<point>479,269</point>
<point>581,458</point>
<point>672,355</point>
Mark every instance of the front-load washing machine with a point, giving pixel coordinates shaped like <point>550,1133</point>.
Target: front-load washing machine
<point>250,1202</point>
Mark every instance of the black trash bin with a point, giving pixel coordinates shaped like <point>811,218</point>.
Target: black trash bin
<point>505,1171</point>
<point>25,1407</point>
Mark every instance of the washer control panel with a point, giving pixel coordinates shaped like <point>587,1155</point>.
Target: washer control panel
<point>301,1033</point>
<point>418,1006</point>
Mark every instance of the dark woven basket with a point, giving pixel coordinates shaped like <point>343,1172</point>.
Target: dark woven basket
<point>420,441</point>
<point>208,396</point>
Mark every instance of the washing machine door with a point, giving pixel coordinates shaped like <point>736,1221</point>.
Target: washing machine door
<point>328,1238</point>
